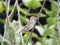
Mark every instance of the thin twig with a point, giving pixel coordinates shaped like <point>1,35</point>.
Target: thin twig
<point>18,13</point>
<point>41,10</point>
<point>58,22</point>
<point>13,9</point>
<point>19,21</point>
<point>7,19</point>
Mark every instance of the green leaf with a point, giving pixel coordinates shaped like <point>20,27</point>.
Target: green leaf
<point>13,34</point>
<point>36,14</point>
<point>50,13</point>
<point>47,32</point>
<point>44,44</point>
<point>23,19</point>
<point>25,38</point>
<point>54,6</point>
<point>11,7</point>
<point>40,39</point>
<point>5,43</point>
<point>55,41</point>
<point>2,21</point>
<point>51,21</point>
<point>25,11</point>
<point>1,8</point>
<point>34,4</point>
<point>34,35</point>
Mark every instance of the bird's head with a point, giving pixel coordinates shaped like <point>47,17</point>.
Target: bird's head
<point>33,18</point>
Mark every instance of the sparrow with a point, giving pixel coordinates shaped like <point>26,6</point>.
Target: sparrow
<point>30,24</point>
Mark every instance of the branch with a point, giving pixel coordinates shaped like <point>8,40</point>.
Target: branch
<point>19,21</point>
<point>41,10</point>
<point>13,9</point>
<point>10,16</point>
<point>58,22</point>
<point>7,20</point>
<point>18,13</point>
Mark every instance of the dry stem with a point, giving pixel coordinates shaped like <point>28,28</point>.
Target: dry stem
<point>7,19</point>
<point>58,22</point>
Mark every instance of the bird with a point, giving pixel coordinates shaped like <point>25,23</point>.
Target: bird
<point>30,24</point>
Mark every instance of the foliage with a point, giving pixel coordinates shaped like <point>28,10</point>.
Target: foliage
<point>48,32</point>
<point>34,4</point>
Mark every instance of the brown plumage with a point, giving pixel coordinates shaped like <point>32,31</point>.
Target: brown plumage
<point>30,24</point>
